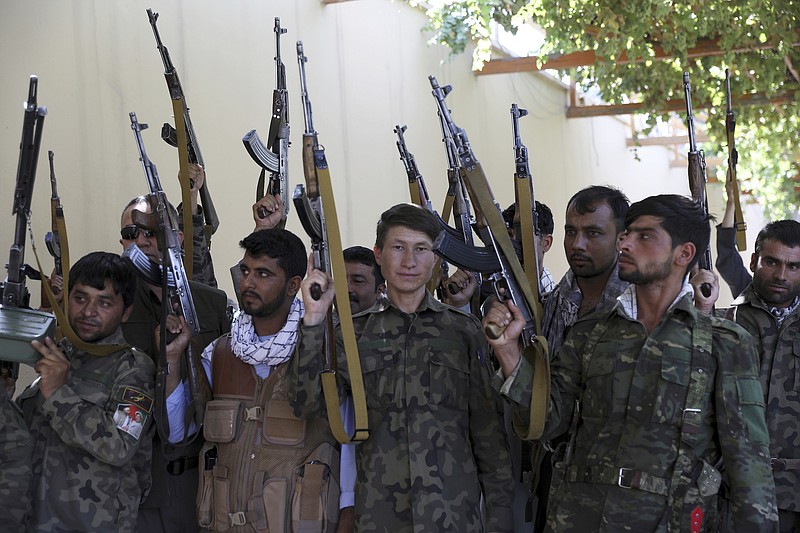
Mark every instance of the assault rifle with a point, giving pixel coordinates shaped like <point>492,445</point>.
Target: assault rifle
<point>317,211</point>
<point>184,138</point>
<point>175,294</point>
<point>18,324</point>
<point>274,156</point>
<point>420,197</point>
<point>697,177</point>
<point>526,203</point>
<point>733,160</point>
<point>509,280</point>
<point>52,238</point>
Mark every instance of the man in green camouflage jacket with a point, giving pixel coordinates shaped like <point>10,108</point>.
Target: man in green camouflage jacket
<point>769,309</point>
<point>656,395</point>
<point>90,471</point>
<point>436,442</point>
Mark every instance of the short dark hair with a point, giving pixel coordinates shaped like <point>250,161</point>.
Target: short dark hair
<point>544,218</point>
<point>683,218</point>
<point>410,216</point>
<point>364,256</point>
<point>786,232</point>
<point>94,269</point>
<point>587,200</point>
<point>279,244</point>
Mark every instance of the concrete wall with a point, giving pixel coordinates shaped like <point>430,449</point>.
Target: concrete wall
<point>367,71</point>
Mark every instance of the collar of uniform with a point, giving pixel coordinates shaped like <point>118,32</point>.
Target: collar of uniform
<point>428,302</point>
<point>626,302</point>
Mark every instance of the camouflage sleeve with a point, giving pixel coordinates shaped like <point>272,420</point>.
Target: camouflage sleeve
<point>16,446</point>
<point>743,436</point>
<point>82,412</point>
<point>302,375</point>
<point>202,264</point>
<point>489,441</point>
<point>565,375</point>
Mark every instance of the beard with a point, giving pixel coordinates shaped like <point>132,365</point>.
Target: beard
<point>777,299</point>
<point>259,308</point>
<point>657,272</point>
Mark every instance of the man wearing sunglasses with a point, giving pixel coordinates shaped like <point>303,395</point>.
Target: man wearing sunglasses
<point>170,505</point>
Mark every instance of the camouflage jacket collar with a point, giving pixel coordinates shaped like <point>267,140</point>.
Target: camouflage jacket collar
<point>428,302</point>
<point>626,302</point>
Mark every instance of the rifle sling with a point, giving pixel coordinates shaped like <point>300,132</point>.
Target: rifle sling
<point>537,351</point>
<point>346,323</point>
<point>61,315</point>
<point>522,191</point>
<point>186,186</point>
<point>738,216</point>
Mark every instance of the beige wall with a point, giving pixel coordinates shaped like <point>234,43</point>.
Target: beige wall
<point>367,71</point>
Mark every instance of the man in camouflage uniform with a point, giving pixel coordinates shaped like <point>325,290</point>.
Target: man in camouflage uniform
<point>16,446</point>
<point>436,442</point>
<point>170,507</point>
<point>90,474</point>
<point>769,309</point>
<point>656,395</point>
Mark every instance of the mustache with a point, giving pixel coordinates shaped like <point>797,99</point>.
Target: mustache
<point>88,322</point>
<point>577,255</point>
<point>627,256</point>
<point>251,294</point>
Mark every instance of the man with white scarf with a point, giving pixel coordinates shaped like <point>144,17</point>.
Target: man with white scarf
<point>258,454</point>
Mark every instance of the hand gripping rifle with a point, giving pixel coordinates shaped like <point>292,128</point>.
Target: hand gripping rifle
<point>733,160</point>
<point>697,177</point>
<point>273,156</point>
<point>509,280</point>
<point>317,211</point>
<point>18,324</point>
<point>184,138</point>
<point>175,295</point>
<point>420,197</point>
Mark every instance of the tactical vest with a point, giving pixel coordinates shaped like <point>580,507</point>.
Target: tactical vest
<point>265,470</point>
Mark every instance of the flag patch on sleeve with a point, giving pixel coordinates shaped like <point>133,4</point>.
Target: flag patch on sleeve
<point>137,398</point>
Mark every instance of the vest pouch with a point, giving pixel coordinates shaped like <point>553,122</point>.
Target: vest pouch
<point>222,420</point>
<point>697,500</point>
<point>219,494</point>
<point>281,427</point>
<point>274,501</point>
<point>315,500</point>
<point>205,490</point>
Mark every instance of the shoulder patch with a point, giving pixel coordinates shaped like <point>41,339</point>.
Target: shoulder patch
<point>137,398</point>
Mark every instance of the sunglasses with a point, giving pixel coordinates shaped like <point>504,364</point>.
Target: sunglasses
<point>130,233</point>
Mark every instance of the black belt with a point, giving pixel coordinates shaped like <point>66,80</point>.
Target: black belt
<point>178,466</point>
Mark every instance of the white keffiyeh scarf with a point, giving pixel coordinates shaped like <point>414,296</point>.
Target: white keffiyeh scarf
<point>275,350</point>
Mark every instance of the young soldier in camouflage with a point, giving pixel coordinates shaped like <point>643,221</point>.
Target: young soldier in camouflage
<point>656,395</point>
<point>436,443</point>
<point>89,473</point>
<point>769,309</point>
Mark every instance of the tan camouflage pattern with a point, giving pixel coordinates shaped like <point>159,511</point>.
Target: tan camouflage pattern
<point>87,474</point>
<point>779,371</point>
<point>16,446</point>
<point>436,440</point>
<point>632,399</point>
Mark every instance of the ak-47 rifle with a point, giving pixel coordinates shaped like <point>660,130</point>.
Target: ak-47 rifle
<point>420,197</point>
<point>18,324</point>
<point>525,200</point>
<point>52,238</point>
<point>697,177</point>
<point>184,138</point>
<point>509,280</point>
<point>175,289</point>
<point>274,156</point>
<point>733,160</point>
<point>317,211</point>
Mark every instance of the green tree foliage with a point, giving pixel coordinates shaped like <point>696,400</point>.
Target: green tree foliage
<point>758,40</point>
